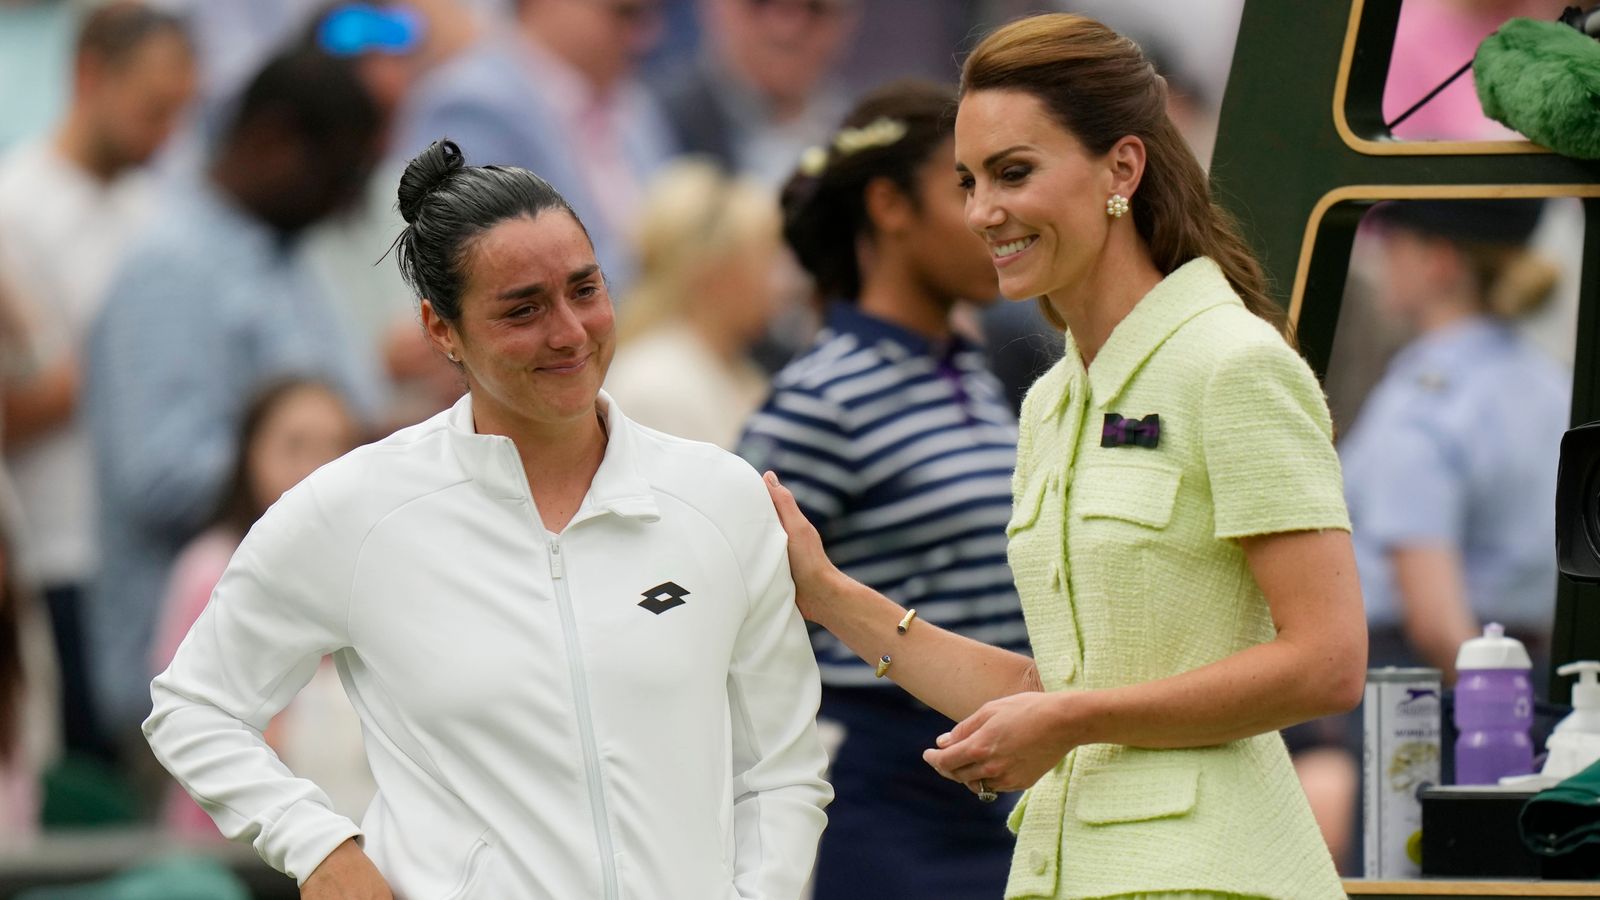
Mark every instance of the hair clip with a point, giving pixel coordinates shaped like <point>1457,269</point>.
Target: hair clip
<point>814,161</point>
<point>880,132</point>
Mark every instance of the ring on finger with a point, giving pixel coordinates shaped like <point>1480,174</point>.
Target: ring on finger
<point>984,794</point>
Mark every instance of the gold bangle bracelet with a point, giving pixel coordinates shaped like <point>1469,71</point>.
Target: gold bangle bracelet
<point>883,665</point>
<point>905,623</point>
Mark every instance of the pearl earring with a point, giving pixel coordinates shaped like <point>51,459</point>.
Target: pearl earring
<point>1116,206</point>
<point>452,357</point>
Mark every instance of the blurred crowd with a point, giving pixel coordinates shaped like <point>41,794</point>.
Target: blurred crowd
<point>196,308</point>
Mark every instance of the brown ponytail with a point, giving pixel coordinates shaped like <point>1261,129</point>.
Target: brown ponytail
<point>1100,87</point>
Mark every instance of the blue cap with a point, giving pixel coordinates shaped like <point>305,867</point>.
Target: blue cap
<point>354,28</point>
<point>1499,221</point>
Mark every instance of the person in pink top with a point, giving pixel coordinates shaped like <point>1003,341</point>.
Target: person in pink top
<point>1434,38</point>
<point>293,427</point>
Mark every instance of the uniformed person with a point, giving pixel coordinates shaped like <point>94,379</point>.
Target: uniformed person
<point>1450,470</point>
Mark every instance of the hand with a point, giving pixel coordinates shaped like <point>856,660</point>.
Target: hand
<point>814,575</point>
<point>1008,744</point>
<point>346,874</point>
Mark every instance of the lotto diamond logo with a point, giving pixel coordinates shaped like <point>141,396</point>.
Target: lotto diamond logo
<point>663,597</point>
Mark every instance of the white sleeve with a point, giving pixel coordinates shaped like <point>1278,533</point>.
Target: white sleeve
<point>773,694</point>
<point>280,606</point>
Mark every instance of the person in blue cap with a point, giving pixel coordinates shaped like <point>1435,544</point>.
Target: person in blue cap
<point>1450,469</point>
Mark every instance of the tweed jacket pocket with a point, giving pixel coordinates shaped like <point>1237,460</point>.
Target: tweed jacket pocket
<point>1136,793</point>
<point>1143,493</point>
<point>1026,509</point>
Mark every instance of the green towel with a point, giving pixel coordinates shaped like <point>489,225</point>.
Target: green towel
<point>180,878</point>
<point>1559,820</point>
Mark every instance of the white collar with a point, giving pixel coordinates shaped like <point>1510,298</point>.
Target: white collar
<point>618,488</point>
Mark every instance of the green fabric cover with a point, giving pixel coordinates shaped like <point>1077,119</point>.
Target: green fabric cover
<point>1561,819</point>
<point>83,792</point>
<point>1543,79</point>
<point>179,878</point>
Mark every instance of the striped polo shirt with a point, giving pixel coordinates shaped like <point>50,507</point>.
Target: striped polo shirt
<point>900,452</point>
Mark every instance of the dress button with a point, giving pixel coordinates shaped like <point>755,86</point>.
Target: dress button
<point>1039,863</point>
<point>1055,577</point>
<point>1069,670</point>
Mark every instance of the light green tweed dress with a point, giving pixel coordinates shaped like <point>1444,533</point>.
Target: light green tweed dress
<point>1183,895</point>
<point>1129,570</point>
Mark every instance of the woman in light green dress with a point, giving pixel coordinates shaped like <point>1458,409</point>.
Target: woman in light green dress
<point>1179,536</point>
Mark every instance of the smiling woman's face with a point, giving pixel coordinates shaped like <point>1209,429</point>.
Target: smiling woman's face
<point>1034,193</point>
<point>536,332</point>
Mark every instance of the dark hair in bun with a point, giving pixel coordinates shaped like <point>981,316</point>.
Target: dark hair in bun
<point>447,204</point>
<point>425,173</point>
<point>890,134</point>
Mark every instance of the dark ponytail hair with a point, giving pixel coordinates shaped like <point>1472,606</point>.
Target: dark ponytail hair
<point>890,134</point>
<point>1100,87</point>
<point>447,205</point>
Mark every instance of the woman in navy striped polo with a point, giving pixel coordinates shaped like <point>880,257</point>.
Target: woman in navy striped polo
<point>898,444</point>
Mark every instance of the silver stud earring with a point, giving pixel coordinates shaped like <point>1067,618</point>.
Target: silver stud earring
<point>1116,206</point>
<point>452,356</point>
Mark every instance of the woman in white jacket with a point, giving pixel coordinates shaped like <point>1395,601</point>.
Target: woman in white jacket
<point>571,640</point>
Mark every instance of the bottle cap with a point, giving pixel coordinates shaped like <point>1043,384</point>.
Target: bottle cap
<point>1493,651</point>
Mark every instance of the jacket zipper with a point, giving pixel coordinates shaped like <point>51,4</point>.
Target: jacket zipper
<point>591,753</point>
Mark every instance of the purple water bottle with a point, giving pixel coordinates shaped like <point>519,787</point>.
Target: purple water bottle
<point>1494,707</point>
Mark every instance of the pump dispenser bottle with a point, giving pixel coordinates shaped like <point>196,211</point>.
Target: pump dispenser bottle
<point>1575,743</point>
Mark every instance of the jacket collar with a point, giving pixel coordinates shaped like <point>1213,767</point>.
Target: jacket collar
<point>618,488</point>
<point>1192,288</point>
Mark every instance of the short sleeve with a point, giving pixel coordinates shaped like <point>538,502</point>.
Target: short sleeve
<point>1268,445</point>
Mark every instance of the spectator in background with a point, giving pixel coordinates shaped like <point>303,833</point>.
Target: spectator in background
<point>29,703</point>
<point>709,257</point>
<point>235,38</point>
<point>899,446</point>
<point>557,95</point>
<point>28,698</point>
<point>19,778</point>
<point>70,200</point>
<point>292,428</point>
<point>1450,470</point>
<point>760,90</point>
<point>212,302</point>
<point>391,45</point>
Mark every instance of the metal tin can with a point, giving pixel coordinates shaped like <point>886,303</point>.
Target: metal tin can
<point>1400,756</point>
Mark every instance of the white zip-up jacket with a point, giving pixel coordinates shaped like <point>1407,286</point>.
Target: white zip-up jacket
<point>624,711</point>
